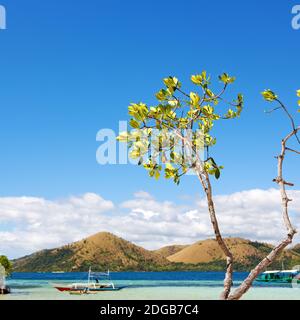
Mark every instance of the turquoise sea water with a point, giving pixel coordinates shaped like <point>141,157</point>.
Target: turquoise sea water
<point>143,285</point>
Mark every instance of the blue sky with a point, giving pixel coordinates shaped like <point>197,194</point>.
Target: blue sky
<point>70,68</point>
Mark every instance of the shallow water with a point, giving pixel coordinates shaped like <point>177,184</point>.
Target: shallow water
<point>142,285</point>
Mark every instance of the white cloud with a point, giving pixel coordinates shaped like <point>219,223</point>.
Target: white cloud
<point>28,224</point>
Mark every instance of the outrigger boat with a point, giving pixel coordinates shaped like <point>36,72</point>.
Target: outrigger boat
<point>91,286</point>
<point>280,276</point>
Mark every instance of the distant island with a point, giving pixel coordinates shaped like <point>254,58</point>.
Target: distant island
<point>104,251</point>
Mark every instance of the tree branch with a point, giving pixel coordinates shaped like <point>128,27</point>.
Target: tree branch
<point>292,150</point>
<point>291,231</point>
<point>290,117</point>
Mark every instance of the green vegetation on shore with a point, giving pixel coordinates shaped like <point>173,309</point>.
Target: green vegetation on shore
<point>4,261</point>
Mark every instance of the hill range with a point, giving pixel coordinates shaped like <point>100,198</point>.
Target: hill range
<point>104,251</point>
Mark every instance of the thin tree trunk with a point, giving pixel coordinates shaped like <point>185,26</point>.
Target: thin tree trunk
<point>247,283</point>
<point>229,257</point>
<point>213,218</point>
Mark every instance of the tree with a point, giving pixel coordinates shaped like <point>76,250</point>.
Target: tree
<point>6,264</point>
<point>174,137</point>
<point>271,97</point>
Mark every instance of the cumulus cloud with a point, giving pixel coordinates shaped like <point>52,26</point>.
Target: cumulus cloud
<point>28,224</point>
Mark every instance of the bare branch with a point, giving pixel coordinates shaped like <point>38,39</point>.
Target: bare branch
<point>184,93</point>
<point>291,231</point>
<point>247,283</point>
<point>292,150</point>
<point>272,110</point>
<point>290,117</point>
<point>218,96</point>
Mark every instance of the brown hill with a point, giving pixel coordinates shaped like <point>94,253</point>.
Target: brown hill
<point>245,252</point>
<point>170,250</point>
<point>101,251</point>
<point>104,251</point>
<point>296,248</point>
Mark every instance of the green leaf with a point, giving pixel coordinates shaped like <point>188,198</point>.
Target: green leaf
<point>208,110</point>
<point>210,93</point>
<point>213,161</point>
<point>123,137</point>
<point>197,79</point>
<point>230,114</point>
<point>269,95</point>
<point>162,95</point>
<point>134,154</point>
<point>169,166</point>
<point>173,103</point>
<point>217,173</point>
<point>172,83</point>
<point>138,111</point>
<point>149,165</point>
<point>183,122</point>
<point>225,78</point>
<point>157,174</point>
<point>134,124</point>
<point>298,95</point>
<point>195,99</point>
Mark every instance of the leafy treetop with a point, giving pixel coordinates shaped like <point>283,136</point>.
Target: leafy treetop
<point>6,264</point>
<point>179,119</point>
